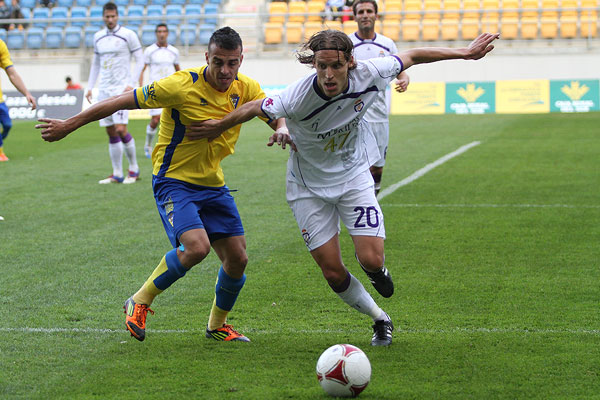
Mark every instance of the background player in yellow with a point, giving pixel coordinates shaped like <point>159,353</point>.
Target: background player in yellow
<point>195,205</point>
<point>15,79</point>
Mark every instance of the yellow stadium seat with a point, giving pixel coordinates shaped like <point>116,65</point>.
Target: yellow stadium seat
<point>412,9</point>
<point>310,28</point>
<point>549,19</point>
<point>391,29</point>
<point>335,25</point>
<point>393,7</point>
<point>509,28</point>
<point>568,8</point>
<point>273,32</point>
<point>490,24</point>
<point>315,6</point>
<point>449,29</point>
<point>471,9</point>
<point>568,27</point>
<point>529,9</point>
<point>349,27</point>
<point>529,27</point>
<point>510,9</point>
<point>378,27</point>
<point>451,9</point>
<point>293,32</point>
<point>277,7</point>
<point>297,7</point>
<point>432,9</point>
<point>491,8</point>
<point>410,30</point>
<point>430,29</point>
<point>469,28</point>
<point>589,19</point>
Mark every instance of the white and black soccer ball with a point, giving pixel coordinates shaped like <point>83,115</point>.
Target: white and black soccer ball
<point>343,370</point>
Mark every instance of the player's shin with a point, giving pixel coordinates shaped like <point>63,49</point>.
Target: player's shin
<point>227,290</point>
<point>166,273</point>
<point>353,293</point>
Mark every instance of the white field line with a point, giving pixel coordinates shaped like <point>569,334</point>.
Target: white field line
<point>494,205</point>
<point>391,189</point>
<point>457,330</point>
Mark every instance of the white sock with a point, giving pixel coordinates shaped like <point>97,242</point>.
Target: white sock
<point>115,150</point>
<point>150,135</point>
<point>358,298</point>
<point>130,151</point>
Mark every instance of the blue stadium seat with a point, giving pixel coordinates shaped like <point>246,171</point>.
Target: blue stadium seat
<point>180,2</point>
<point>26,12</point>
<point>148,36</point>
<point>101,2</point>
<point>187,36</point>
<point>193,12</point>
<point>200,2</point>
<point>64,3</point>
<point>173,34</point>
<point>3,34</point>
<point>15,39</point>
<point>88,35</point>
<point>84,3</point>
<point>154,10</point>
<point>215,2</point>
<point>54,37</point>
<point>159,2</point>
<point>39,14</point>
<point>60,13</point>
<point>140,2</point>
<point>35,38</point>
<point>120,3</point>
<point>73,37</point>
<point>78,12</point>
<point>95,12</point>
<point>205,32</point>
<point>173,11</point>
<point>135,11</point>
<point>25,3</point>
<point>211,10</point>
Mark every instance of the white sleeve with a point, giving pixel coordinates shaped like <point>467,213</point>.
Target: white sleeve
<point>384,69</point>
<point>139,66</point>
<point>176,55</point>
<point>94,71</point>
<point>147,56</point>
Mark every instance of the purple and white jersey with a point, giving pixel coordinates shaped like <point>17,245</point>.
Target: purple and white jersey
<point>364,49</point>
<point>334,145</point>
<point>114,50</point>
<point>161,60</point>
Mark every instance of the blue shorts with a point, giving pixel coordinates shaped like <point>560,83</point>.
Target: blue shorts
<point>183,206</point>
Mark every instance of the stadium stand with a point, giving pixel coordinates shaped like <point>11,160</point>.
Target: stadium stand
<point>59,16</point>
<point>78,12</point>
<point>96,12</point>
<point>273,32</point>
<point>173,11</point>
<point>188,35</point>
<point>3,34</point>
<point>147,36</point>
<point>297,7</point>
<point>88,35</point>
<point>26,3</point>
<point>84,3</point>
<point>54,37</point>
<point>15,39</point>
<point>73,37</point>
<point>134,11</point>
<point>63,3</point>
<point>40,17</point>
<point>35,38</point>
<point>293,32</point>
<point>193,13</point>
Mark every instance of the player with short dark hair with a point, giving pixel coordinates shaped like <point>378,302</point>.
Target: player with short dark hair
<point>368,44</point>
<point>328,177</point>
<point>196,207</point>
<point>114,48</point>
<point>163,60</point>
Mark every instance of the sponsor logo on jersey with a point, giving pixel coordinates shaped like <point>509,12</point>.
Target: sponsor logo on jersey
<point>358,105</point>
<point>268,102</point>
<point>203,101</point>
<point>148,91</point>
<point>234,100</point>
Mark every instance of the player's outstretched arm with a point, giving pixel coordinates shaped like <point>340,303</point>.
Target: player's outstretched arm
<point>281,136</point>
<point>56,129</point>
<point>17,82</point>
<point>477,49</point>
<point>212,128</point>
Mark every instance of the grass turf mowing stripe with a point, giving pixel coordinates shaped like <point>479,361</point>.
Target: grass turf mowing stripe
<point>419,173</point>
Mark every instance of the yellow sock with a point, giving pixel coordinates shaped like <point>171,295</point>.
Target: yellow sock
<point>149,291</point>
<point>218,316</point>
<point>1,150</point>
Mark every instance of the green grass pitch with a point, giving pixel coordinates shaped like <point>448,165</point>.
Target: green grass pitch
<point>495,256</point>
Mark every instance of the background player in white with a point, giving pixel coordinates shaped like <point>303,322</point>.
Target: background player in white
<point>114,48</point>
<point>328,177</point>
<point>163,60</point>
<point>368,44</point>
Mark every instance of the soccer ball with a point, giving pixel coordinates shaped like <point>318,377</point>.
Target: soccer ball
<point>343,370</point>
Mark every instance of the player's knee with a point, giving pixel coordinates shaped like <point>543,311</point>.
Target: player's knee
<point>5,129</point>
<point>196,251</point>
<point>372,261</point>
<point>237,261</point>
<point>334,277</point>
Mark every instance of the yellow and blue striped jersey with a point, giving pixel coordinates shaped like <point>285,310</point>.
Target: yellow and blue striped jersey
<point>5,60</point>
<point>185,97</point>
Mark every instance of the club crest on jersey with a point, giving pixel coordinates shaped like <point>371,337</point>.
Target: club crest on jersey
<point>203,101</point>
<point>268,102</point>
<point>305,236</point>
<point>234,100</point>
<point>169,210</point>
<point>358,105</point>
<point>148,91</point>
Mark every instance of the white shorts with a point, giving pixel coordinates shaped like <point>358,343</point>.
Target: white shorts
<point>381,131</point>
<point>318,210</point>
<point>155,111</point>
<point>120,117</point>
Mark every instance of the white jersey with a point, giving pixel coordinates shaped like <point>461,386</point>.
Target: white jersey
<point>161,60</point>
<point>114,49</point>
<point>364,49</point>
<point>334,145</point>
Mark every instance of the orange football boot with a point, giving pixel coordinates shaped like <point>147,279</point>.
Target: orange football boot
<point>135,318</point>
